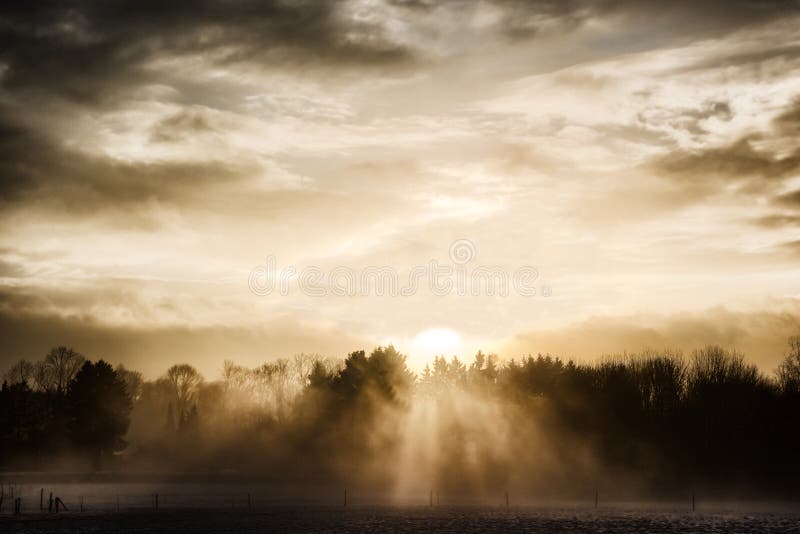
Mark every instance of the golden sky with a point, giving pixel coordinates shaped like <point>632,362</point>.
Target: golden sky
<point>644,157</point>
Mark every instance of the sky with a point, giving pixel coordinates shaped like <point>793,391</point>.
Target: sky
<point>638,160</point>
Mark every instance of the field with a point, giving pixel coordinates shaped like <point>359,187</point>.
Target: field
<point>221,508</point>
<point>396,519</point>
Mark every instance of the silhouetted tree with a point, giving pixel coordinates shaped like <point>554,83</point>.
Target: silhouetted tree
<point>61,364</point>
<point>100,409</point>
<point>19,373</point>
<point>42,376</point>
<point>789,369</point>
<point>713,419</point>
<point>185,381</point>
<point>22,414</point>
<point>133,381</point>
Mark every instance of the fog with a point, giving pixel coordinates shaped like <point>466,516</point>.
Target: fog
<point>636,426</point>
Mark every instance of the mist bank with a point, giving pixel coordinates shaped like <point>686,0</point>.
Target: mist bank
<point>645,424</point>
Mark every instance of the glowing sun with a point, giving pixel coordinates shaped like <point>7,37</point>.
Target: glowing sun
<point>435,342</point>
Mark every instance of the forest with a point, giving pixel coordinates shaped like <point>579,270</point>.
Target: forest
<point>654,422</point>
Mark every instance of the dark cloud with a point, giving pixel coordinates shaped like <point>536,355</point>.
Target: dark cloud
<point>89,53</point>
<point>788,122</point>
<point>792,247</point>
<point>86,51</point>
<point>182,125</point>
<point>9,269</point>
<point>34,169</point>
<point>777,221</point>
<point>736,170</point>
<point>757,162</point>
<point>717,109</point>
<point>761,335</point>
<point>789,199</point>
<point>523,19</point>
<point>737,160</point>
<point>751,59</point>
<point>153,349</point>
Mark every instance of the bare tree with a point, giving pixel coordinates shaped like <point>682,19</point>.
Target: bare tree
<point>789,369</point>
<point>63,364</point>
<point>234,376</point>
<point>20,372</point>
<point>302,365</point>
<point>42,376</point>
<point>185,381</point>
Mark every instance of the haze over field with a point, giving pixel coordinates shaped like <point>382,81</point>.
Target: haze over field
<point>642,156</point>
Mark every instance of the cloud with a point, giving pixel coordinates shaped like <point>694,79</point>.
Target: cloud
<point>732,162</point>
<point>757,164</point>
<point>792,247</point>
<point>37,171</point>
<point>181,125</point>
<point>777,221</point>
<point>791,199</point>
<point>94,49</point>
<point>151,155</point>
<point>761,335</point>
<point>153,349</point>
<point>759,168</point>
<point>523,19</point>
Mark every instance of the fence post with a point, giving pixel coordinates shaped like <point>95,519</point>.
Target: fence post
<point>345,496</point>
<point>41,500</point>
<point>430,499</point>
<point>506,498</point>
<point>50,505</point>
<point>692,501</point>
<point>596,497</point>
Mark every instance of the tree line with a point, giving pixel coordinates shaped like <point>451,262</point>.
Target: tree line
<point>659,420</point>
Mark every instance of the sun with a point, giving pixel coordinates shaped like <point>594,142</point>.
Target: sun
<point>435,342</point>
